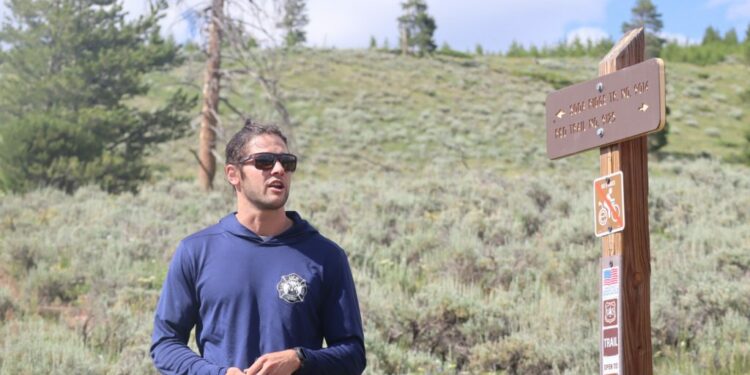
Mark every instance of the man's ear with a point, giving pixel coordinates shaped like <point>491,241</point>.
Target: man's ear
<point>233,174</point>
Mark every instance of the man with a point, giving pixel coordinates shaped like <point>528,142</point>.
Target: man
<point>262,287</point>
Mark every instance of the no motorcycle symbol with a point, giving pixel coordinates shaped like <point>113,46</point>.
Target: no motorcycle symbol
<point>609,208</point>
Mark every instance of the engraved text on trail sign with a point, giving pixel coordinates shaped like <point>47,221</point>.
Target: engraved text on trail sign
<point>609,205</point>
<point>610,109</point>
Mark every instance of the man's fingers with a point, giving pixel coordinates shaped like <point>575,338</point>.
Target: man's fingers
<point>284,362</point>
<point>256,367</point>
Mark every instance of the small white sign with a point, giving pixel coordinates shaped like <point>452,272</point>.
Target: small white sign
<point>610,313</point>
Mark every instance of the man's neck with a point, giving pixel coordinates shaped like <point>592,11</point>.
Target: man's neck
<point>264,222</point>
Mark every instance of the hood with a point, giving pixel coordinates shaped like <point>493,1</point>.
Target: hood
<point>299,231</point>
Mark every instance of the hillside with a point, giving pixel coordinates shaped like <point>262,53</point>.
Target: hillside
<point>471,251</point>
<point>485,109</point>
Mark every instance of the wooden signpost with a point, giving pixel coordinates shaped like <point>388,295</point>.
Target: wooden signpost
<point>615,113</point>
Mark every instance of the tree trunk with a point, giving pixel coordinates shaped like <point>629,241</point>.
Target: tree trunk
<point>404,41</point>
<point>210,111</point>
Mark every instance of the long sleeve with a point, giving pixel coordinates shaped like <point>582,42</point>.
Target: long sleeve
<point>342,326</point>
<point>176,314</point>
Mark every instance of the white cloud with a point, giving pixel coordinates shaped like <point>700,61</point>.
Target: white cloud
<point>348,24</point>
<point>178,21</point>
<point>495,24</point>
<point>184,18</point>
<point>463,24</point>
<point>594,34</point>
<point>736,9</point>
<point>739,10</point>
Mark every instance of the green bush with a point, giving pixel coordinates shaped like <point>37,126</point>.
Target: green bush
<point>446,50</point>
<point>7,303</point>
<point>35,346</point>
<point>55,284</point>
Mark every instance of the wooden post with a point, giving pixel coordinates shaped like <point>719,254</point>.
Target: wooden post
<point>631,157</point>
<point>210,111</point>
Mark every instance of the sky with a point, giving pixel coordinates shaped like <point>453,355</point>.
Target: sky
<point>494,25</point>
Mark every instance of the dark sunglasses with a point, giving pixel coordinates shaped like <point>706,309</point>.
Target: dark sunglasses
<point>266,160</point>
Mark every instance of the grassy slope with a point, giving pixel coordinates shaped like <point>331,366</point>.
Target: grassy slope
<point>487,109</point>
<point>471,251</point>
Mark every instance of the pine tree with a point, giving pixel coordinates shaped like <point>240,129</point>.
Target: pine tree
<point>294,21</point>
<point>534,51</point>
<point>418,26</point>
<point>658,140</point>
<point>644,15</point>
<point>478,50</point>
<point>516,50</point>
<point>730,38</point>
<point>711,36</point>
<point>70,70</point>
<point>576,48</point>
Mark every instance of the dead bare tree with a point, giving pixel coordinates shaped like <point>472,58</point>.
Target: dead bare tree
<point>256,49</point>
<point>211,87</point>
<point>246,37</point>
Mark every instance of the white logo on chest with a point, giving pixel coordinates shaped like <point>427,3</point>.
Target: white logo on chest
<point>292,288</point>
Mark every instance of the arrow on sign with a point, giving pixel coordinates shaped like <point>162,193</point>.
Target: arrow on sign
<point>560,114</point>
<point>643,107</point>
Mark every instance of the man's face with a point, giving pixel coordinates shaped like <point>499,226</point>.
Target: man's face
<point>265,190</point>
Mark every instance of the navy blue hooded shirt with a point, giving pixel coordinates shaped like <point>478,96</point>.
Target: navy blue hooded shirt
<point>248,297</point>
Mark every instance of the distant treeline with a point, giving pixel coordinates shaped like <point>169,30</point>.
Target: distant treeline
<point>576,48</point>
<point>713,49</point>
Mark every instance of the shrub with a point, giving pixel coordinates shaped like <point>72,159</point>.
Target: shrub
<point>38,347</point>
<point>7,304</point>
<point>55,285</point>
<point>446,50</point>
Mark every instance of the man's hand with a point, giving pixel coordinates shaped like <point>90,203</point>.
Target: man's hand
<point>277,363</point>
<point>234,371</point>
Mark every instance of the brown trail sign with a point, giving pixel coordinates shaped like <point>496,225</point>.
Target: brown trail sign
<point>622,120</point>
<point>618,106</point>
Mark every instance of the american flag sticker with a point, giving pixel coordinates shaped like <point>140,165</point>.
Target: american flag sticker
<point>610,276</point>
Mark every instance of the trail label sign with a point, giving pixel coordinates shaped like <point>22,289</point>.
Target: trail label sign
<point>611,310</point>
<point>610,109</point>
<point>609,205</point>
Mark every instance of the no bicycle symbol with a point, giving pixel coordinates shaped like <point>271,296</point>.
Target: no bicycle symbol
<point>609,207</point>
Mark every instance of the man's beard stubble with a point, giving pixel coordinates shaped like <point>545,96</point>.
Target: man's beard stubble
<point>259,203</point>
